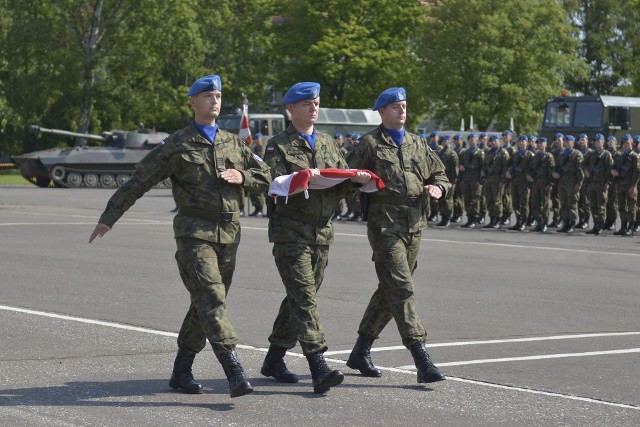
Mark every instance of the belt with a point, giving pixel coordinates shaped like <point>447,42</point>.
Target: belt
<point>209,215</point>
<point>319,222</point>
<point>396,200</point>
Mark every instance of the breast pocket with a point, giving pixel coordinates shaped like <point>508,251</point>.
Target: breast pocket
<point>297,160</point>
<point>192,164</point>
<point>235,161</point>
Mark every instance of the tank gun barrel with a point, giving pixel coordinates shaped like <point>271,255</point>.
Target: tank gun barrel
<point>38,129</point>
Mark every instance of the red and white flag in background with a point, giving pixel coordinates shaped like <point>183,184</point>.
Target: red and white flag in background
<point>297,182</point>
<point>245,130</point>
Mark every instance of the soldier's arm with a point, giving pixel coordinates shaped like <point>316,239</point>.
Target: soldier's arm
<point>257,176</point>
<point>438,176</point>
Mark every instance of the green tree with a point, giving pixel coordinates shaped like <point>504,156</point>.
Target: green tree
<point>496,60</point>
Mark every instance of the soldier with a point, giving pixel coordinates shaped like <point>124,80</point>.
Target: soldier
<point>583,200</point>
<point>531,147</point>
<point>556,151</point>
<point>257,199</point>
<point>507,205</point>
<point>540,177</point>
<point>493,172</point>
<point>569,174</point>
<point>471,161</point>
<point>636,149</point>
<point>483,140</point>
<point>458,196</point>
<point>434,141</point>
<point>412,173</point>
<point>627,174</point>
<point>597,171</point>
<point>450,160</point>
<point>517,174</point>
<point>301,232</point>
<point>612,197</point>
<point>209,169</point>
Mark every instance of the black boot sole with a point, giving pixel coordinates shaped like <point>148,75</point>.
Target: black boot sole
<point>247,389</point>
<point>365,373</point>
<point>333,379</point>
<point>289,380</point>
<point>431,380</point>
<point>194,390</point>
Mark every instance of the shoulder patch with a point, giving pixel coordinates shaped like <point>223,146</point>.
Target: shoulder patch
<point>258,158</point>
<point>270,149</point>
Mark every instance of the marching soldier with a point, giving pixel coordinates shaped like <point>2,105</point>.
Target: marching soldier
<point>540,177</point>
<point>517,174</point>
<point>569,174</point>
<point>471,162</point>
<point>451,162</point>
<point>612,197</point>
<point>507,205</point>
<point>583,200</point>
<point>636,149</point>
<point>597,171</point>
<point>627,176</point>
<point>434,141</point>
<point>458,196</point>
<point>556,151</point>
<point>493,172</point>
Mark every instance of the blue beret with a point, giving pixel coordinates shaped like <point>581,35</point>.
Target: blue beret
<point>301,92</point>
<point>423,135</point>
<point>636,138</point>
<point>337,135</point>
<point>559,135</point>
<point>483,135</point>
<point>389,96</point>
<point>533,138</point>
<point>472,135</point>
<point>627,136</point>
<point>542,139</point>
<point>434,133</point>
<point>205,84</point>
<point>356,135</point>
<point>612,138</point>
<point>457,136</point>
<point>446,137</point>
<point>582,135</point>
<point>523,138</point>
<point>506,132</point>
<point>494,137</point>
<point>599,136</point>
<point>257,135</point>
<point>571,138</point>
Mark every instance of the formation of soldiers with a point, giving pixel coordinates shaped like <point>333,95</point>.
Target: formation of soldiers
<point>567,184</point>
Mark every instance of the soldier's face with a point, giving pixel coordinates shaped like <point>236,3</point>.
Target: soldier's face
<point>304,113</point>
<point>598,144</point>
<point>542,146</point>
<point>522,144</point>
<point>568,144</point>
<point>626,145</point>
<point>206,106</point>
<point>473,142</point>
<point>394,115</point>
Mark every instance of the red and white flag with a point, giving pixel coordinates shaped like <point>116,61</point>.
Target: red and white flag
<point>245,130</point>
<point>297,182</point>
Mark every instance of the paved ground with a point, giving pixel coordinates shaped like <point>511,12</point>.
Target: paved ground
<point>530,329</point>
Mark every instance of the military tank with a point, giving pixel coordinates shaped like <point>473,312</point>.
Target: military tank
<point>109,166</point>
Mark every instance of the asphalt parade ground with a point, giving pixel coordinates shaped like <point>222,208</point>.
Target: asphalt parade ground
<point>530,329</point>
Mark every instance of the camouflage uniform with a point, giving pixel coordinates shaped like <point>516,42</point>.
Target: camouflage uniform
<point>555,196</point>
<point>450,160</point>
<point>301,231</point>
<point>612,197</point>
<point>258,199</point>
<point>599,165</point>
<point>583,200</point>
<point>520,187</point>
<point>396,217</point>
<point>627,166</point>
<point>458,196</point>
<point>471,188</point>
<point>571,174</point>
<point>206,227</point>
<point>507,201</point>
<point>541,167</point>
<point>495,166</point>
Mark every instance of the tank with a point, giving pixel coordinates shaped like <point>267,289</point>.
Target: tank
<point>109,166</point>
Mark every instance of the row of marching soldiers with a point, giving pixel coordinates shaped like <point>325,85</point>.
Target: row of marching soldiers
<point>558,184</point>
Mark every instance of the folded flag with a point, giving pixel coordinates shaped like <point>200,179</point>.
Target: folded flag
<point>297,182</point>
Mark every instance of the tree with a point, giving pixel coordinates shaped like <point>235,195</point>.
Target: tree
<point>495,60</point>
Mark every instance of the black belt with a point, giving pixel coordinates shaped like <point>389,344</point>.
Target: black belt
<point>396,200</point>
<point>319,222</point>
<point>209,215</point>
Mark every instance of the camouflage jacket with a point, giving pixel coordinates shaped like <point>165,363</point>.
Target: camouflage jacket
<point>520,164</point>
<point>405,170</point>
<point>598,165</point>
<point>473,161</point>
<point>193,165</point>
<point>627,166</point>
<point>300,219</point>
<point>541,168</point>
<point>570,168</point>
<point>451,162</point>
<point>496,163</point>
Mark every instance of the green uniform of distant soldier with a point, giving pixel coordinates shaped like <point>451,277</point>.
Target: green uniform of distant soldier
<point>507,203</point>
<point>450,160</point>
<point>434,205</point>
<point>258,199</point>
<point>556,150</point>
<point>412,174</point>
<point>570,175</point>
<point>517,173</point>
<point>541,180</point>
<point>471,162</point>
<point>301,231</point>
<point>209,169</point>
<point>636,149</point>
<point>627,174</point>
<point>612,196</point>
<point>496,161</point>
<point>597,171</point>
<point>584,210</point>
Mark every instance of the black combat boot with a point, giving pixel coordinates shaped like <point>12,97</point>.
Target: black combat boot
<point>480,219</point>
<point>445,221</point>
<point>492,222</point>
<point>609,225</point>
<point>506,218</point>
<point>554,223</point>
<point>471,222</point>
<point>599,228</point>
<point>323,377</point>
<point>565,226</point>
<point>543,226</point>
<point>570,227</point>
<point>457,216</point>
<point>181,377</point>
<point>593,230</point>
<point>636,226</point>
<point>275,367</point>
<point>433,217</point>
<point>238,383</point>
<point>538,226</point>
<point>516,226</point>
<point>360,358</point>
<point>256,212</point>
<point>427,371</point>
<point>581,224</point>
<point>624,229</point>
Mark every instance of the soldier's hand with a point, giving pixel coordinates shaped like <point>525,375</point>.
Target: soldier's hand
<point>548,188</point>
<point>433,191</point>
<point>232,176</point>
<point>632,191</point>
<point>461,167</point>
<point>587,174</point>
<point>99,231</point>
<point>529,178</point>
<point>314,174</point>
<point>614,172</point>
<point>556,175</point>
<point>361,178</point>
<point>509,175</point>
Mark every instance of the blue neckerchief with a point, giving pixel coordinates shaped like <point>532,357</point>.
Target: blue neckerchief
<point>396,135</point>
<point>311,139</point>
<point>625,154</point>
<point>472,149</point>
<point>208,132</point>
<point>494,149</point>
<point>540,153</point>
<point>432,146</point>
<point>521,152</point>
<point>505,145</point>
<point>567,151</point>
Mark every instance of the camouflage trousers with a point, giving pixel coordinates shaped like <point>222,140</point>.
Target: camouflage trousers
<point>472,194</point>
<point>597,196</point>
<point>258,201</point>
<point>584,208</point>
<point>493,196</point>
<point>395,255</point>
<point>507,205</point>
<point>301,268</point>
<point>206,270</point>
<point>540,203</point>
<point>555,202</point>
<point>626,203</point>
<point>568,202</point>
<point>458,199</point>
<point>520,199</point>
<point>612,204</point>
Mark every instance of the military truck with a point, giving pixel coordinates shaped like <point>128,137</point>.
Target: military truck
<point>92,167</point>
<point>608,115</point>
